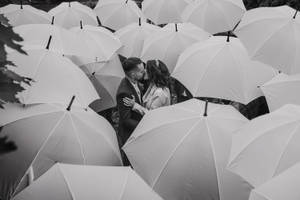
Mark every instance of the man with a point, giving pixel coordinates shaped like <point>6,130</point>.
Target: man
<point>129,87</point>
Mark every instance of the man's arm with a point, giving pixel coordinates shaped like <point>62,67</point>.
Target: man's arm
<point>125,112</point>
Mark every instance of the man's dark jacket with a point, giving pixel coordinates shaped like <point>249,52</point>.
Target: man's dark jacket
<point>128,119</point>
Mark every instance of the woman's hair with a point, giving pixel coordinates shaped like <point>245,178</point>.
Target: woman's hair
<point>158,73</point>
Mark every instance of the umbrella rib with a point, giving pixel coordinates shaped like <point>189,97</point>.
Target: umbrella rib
<point>42,147</point>
<point>173,152</point>
<point>78,140</point>
<point>284,150</point>
<point>124,185</point>
<point>67,183</point>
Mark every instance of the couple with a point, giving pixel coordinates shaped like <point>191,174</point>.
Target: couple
<point>133,101</point>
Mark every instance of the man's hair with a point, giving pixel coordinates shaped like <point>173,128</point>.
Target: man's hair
<point>131,63</point>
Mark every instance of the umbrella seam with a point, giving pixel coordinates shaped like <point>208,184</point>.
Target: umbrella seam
<point>124,185</point>
<point>173,152</point>
<point>78,140</point>
<point>41,148</point>
<point>234,157</point>
<point>214,155</point>
<point>284,149</point>
<point>66,182</point>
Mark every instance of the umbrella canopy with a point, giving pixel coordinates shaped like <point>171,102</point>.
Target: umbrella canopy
<point>267,145</point>
<point>106,78</point>
<point>133,36</point>
<point>116,14</point>
<point>282,89</point>
<point>69,14</point>
<point>169,42</point>
<point>221,68</point>
<point>272,35</point>
<point>48,133</point>
<point>55,78</point>
<point>99,43</point>
<point>68,182</point>
<point>62,40</point>
<point>214,16</point>
<point>164,11</point>
<point>181,151</point>
<point>283,186</point>
<point>24,14</point>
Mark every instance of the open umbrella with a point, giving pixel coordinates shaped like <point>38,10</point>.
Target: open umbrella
<point>133,36</point>
<point>164,11</point>
<point>116,14</point>
<point>69,182</point>
<point>62,41</point>
<point>106,78</point>
<point>283,186</point>
<point>99,43</point>
<point>69,14</point>
<point>55,78</point>
<point>170,41</point>
<point>267,145</point>
<point>181,151</point>
<point>282,89</point>
<point>214,16</point>
<point>48,133</point>
<point>221,68</point>
<point>272,35</point>
<point>24,14</point>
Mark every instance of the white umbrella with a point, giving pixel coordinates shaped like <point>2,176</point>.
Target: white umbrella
<point>71,182</point>
<point>133,36</point>
<point>282,89</point>
<point>283,186</point>
<point>181,151</point>
<point>164,11</point>
<point>48,133</point>
<point>24,14</point>
<point>272,35</point>
<point>99,43</point>
<point>106,78</point>
<point>55,78</point>
<point>62,41</point>
<point>221,68</point>
<point>116,14</point>
<point>69,14</point>
<point>169,42</point>
<point>266,146</point>
<point>214,16</point>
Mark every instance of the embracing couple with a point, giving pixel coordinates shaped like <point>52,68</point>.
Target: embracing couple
<point>134,99</point>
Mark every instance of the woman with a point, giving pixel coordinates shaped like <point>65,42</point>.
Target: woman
<point>158,92</point>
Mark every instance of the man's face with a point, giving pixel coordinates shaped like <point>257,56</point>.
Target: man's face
<point>139,72</point>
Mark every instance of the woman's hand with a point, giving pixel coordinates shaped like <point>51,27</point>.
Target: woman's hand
<point>129,102</point>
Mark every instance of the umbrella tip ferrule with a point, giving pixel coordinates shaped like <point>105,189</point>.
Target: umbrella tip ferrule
<point>52,21</point>
<point>295,15</point>
<point>98,20</point>
<point>140,21</point>
<point>81,25</point>
<point>49,41</point>
<point>126,1</point>
<point>70,104</point>
<point>93,73</point>
<point>69,3</point>
<point>205,109</point>
<point>21,4</point>
<point>176,27</point>
<point>228,36</point>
